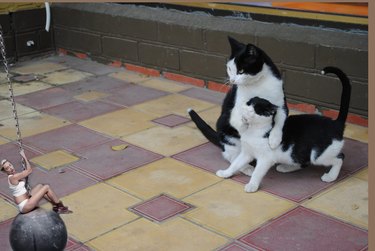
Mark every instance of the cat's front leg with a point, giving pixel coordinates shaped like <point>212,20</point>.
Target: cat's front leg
<point>276,133</point>
<point>240,162</point>
<point>260,171</point>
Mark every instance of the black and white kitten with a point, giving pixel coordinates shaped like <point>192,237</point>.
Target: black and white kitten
<point>251,73</point>
<point>307,139</point>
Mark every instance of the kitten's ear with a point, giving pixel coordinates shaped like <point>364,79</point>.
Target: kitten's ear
<point>235,45</point>
<point>251,50</point>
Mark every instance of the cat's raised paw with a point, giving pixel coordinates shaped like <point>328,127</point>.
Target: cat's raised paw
<point>223,174</point>
<point>275,139</point>
<point>251,188</point>
<point>327,178</point>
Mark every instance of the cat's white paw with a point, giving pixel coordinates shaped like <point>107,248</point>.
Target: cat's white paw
<point>275,138</point>
<point>247,113</point>
<point>327,178</point>
<point>223,174</point>
<point>248,171</point>
<point>251,188</point>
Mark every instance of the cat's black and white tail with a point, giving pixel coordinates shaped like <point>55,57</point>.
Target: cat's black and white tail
<point>346,92</point>
<point>205,128</point>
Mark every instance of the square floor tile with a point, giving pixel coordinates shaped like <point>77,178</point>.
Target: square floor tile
<point>347,201</point>
<point>65,76</point>
<point>31,124</point>
<point>356,155</point>
<point>25,78</point>
<point>174,103</point>
<point>45,98</point>
<point>207,156</point>
<point>237,247</point>
<point>54,159</point>
<point>303,229</point>
<point>363,174</point>
<point>166,141</point>
<point>356,132</point>
<point>205,94</point>
<point>91,96</point>
<point>120,123</point>
<point>6,109</point>
<point>73,245</point>
<point>24,88</point>
<point>72,137</point>
<point>77,111</point>
<point>4,235</point>
<point>7,210</point>
<point>210,116</point>
<point>129,77</point>
<point>226,208</point>
<point>103,162</point>
<point>164,176</point>
<point>97,210</point>
<point>165,85</point>
<point>142,234</point>
<point>134,94</point>
<point>38,68</point>
<point>160,208</point>
<point>171,120</point>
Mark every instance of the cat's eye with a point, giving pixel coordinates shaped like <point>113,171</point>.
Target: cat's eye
<point>240,71</point>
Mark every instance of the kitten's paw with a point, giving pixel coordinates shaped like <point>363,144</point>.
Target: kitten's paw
<point>275,139</point>
<point>248,171</point>
<point>223,174</point>
<point>327,178</point>
<point>251,188</point>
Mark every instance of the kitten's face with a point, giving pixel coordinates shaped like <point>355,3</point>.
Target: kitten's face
<point>260,111</point>
<point>245,63</point>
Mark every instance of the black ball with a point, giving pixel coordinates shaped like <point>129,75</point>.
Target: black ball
<point>40,229</point>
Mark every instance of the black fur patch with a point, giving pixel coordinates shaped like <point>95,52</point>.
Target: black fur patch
<point>262,106</point>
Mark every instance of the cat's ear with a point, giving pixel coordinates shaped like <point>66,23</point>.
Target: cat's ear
<point>251,50</point>
<point>235,45</point>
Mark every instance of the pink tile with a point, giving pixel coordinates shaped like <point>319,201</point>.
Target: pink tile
<point>171,120</point>
<point>160,208</point>
<point>304,229</point>
<point>73,245</point>
<point>72,137</point>
<point>356,155</point>
<point>103,162</point>
<point>134,94</point>
<point>77,111</point>
<point>205,94</point>
<point>45,98</point>
<point>4,235</point>
<point>206,156</point>
<point>234,246</point>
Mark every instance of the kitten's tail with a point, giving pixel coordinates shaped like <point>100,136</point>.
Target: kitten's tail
<point>206,129</point>
<point>346,92</point>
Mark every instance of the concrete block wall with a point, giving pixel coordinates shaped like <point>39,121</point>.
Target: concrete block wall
<point>195,45</point>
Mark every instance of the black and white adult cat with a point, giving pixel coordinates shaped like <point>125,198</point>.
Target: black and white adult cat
<point>251,73</point>
<point>307,139</point>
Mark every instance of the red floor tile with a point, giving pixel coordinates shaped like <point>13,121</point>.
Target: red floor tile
<point>204,94</point>
<point>304,229</point>
<point>72,137</point>
<point>171,120</point>
<point>45,98</point>
<point>134,94</point>
<point>103,162</point>
<point>160,208</point>
<point>78,111</point>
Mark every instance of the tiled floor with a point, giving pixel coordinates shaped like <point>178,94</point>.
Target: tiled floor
<point>121,151</point>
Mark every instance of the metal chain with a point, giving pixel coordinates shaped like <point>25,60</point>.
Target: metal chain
<point>11,98</point>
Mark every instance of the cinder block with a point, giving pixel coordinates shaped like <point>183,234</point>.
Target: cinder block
<point>162,56</point>
<point>76,40</point>
<point>288,52</point>
<point>46,39</point>
<point>5,23</point>
<point>353,62</point>
<point>181,35</point>
<point>203,64</point>
<point>28,20</point>
<point>217,41</point>
<point>120,48</point>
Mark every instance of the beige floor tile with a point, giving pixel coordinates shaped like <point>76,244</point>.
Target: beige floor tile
<point>3,141</point>
<point>54,159</point>
<point>177,234</point>
<point>356,132</point>
<point>164,176</point>
<point>3,77</point>
<point>210,116</point>
<point>7,210</point>
<point>227,208</point>
<point>31,124</point>
<point>363,175</point>
<point>167,141</point>
<point>175,103</point>
<point>6,109</point>
<point>66,76</point>
<point>347,201</point>
<point>120,123</point>
<point>24,88</point>
<point>165,85</point>
<point>91,96</point>
<point>97,210</point>
<point>38,68</point>
<point>130,76</point>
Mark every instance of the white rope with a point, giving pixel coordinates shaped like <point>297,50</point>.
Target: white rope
<point>11,98</point>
